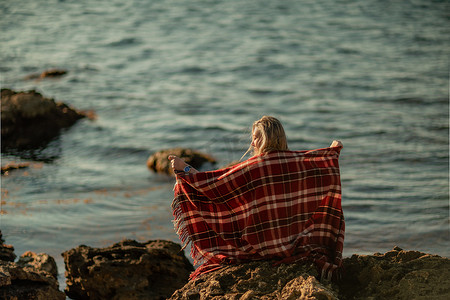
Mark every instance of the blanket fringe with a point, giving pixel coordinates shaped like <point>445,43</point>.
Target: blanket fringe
<point>183,233</point>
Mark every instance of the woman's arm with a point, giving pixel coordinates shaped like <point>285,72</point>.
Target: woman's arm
<point>179,165</point>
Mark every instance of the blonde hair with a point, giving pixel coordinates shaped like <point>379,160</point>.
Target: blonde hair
<point>272,136</point>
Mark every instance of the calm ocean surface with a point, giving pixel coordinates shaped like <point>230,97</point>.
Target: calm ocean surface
<point>162,74</point>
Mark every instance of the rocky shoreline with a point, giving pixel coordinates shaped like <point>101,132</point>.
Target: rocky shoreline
<point>159,270</point>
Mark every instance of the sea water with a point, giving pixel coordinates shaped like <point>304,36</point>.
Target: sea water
<point>162,74</point>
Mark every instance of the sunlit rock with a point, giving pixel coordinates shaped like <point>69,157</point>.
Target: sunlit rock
<point>159,163</point>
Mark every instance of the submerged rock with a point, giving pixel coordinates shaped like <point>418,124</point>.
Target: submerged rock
<point>159,163</point>
<point>126,270</point>
<point>397,274</point>
<point>30,120</point>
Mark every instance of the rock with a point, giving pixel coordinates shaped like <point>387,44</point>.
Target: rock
<point>258,280</point>
<point>40,261</point>
<point>51,73</point>
<point>13,166</point>
<point>6,251</point>
<point>30,120</point>
<point>28,282</point>
<point>126,270</point>
<point>396,274</point>
<point>33,277</point>
<point>159,163</point>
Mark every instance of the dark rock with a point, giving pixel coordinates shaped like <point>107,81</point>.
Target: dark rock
<point>29,280</point>
<point>126,270</point>
<point>396,274</point>
<point>40,261</point>
<point>6,251</point>
<point>30,120</point>
<point>159,163</point>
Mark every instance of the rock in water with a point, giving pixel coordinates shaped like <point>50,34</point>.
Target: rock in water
<point>30,120</point>
<point>126,270</point>
<point>50,73</point>
<point>13,166</point>
<point>159,163</point>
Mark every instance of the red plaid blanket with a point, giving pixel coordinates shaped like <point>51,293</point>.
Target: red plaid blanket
<point>284,205</point>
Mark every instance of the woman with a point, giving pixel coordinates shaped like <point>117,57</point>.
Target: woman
<point>281,205</point>
<point>267,135</point>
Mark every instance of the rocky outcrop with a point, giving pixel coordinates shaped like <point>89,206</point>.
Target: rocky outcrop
<point>33,277</point>
<point>159,163</point>
<point>258,280</point>
<point>397,274</point>
<point>126,270</point>
<point>41,261</point>
<point>30,120</point>
<point>6,251</point>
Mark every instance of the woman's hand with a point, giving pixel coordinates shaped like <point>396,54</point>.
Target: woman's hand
<point>337,143</point>
<point>177,163</point>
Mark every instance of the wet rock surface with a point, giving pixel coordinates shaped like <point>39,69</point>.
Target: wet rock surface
<point>159,163</point>
<point>30,120</point>
<point>126,270</point>
<point>396,274</point>
<point>33,277</point>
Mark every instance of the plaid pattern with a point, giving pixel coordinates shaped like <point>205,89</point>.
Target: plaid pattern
<point>283,205</point>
